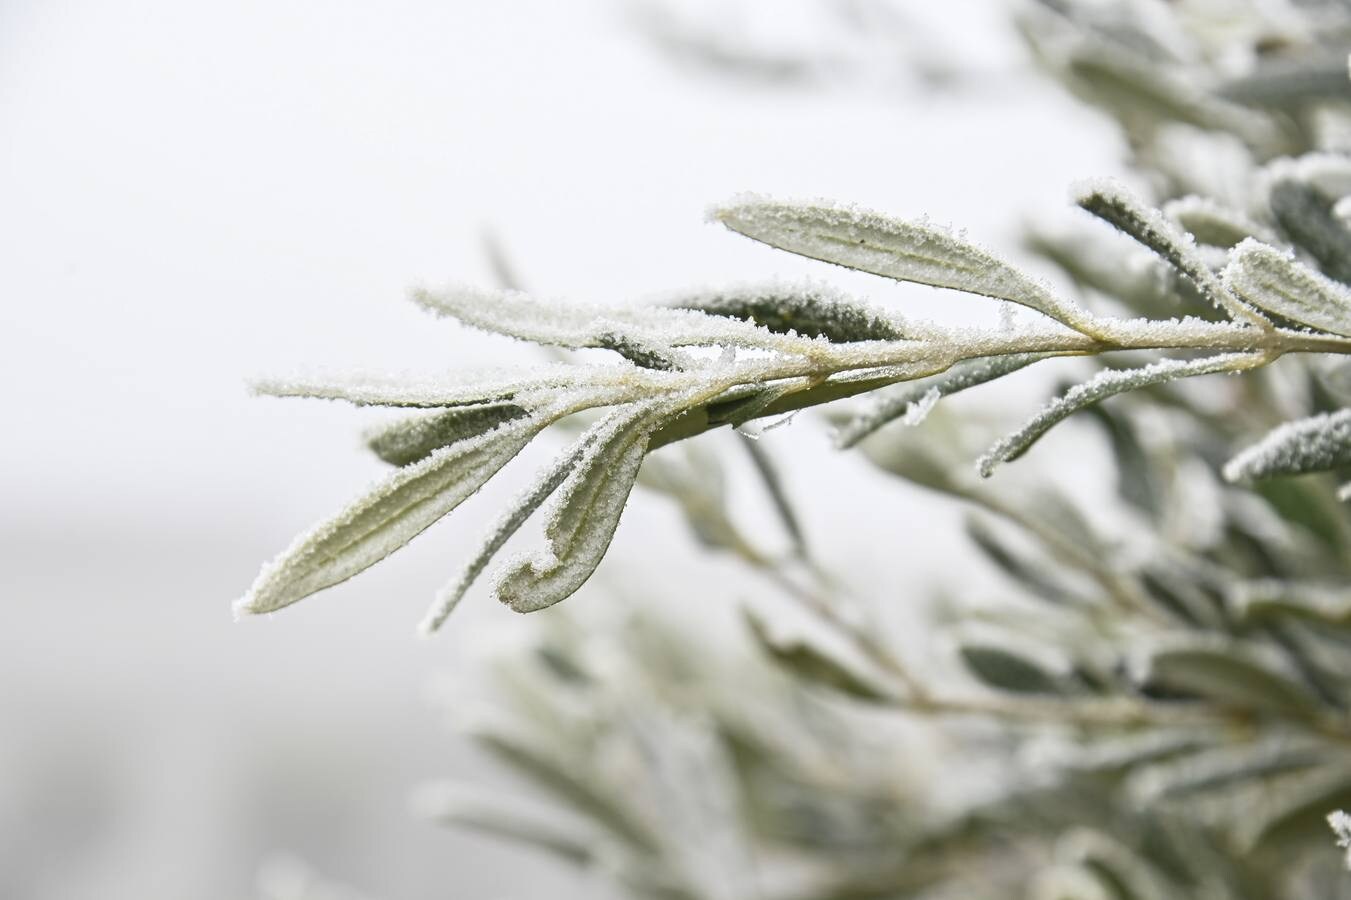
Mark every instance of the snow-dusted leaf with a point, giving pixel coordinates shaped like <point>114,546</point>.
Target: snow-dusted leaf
<point>1228,675</point>
<point>637,332</point>
<point>906,251</point>
<point>527,388</point>
<point>1106,383</point>
<point>584,514</point>
<point>411,439</point>
<point>1315,444</point>
<point>808,310</point>
<point>893,404</point>
<point>1289,82</point>
<point>1307,216</point>
<point>507,524</point>
<point>1274,281</point>
<point>388,516</point>
<point>1115,205</point>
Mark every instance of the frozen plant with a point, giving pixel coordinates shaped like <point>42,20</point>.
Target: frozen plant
<point>726,358</point>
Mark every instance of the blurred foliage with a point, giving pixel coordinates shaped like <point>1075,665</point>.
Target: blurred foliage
<point>1159,706</point>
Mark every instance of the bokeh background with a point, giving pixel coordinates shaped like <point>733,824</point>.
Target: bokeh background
<point>192,194</point>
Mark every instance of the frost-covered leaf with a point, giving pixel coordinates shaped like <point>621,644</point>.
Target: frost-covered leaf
<point>641,333</point>
<point>1112,203</point>
<point>1227,675</point>
<point>890,405</point>
<point>809,310</point>
<point>508,523</point>
<point>411,439</point>
<point>1273,281</point>
<point>1307,216</point>
<point>583,516</point>
<point>1315,444</point>
<point>1106,383</point>
<point>388,516</point>
<point>906,251</point>
<point>529,389</point>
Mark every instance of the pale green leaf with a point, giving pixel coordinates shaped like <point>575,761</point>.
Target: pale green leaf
<point>1276,282</point>
<point>411,439</point>
<point>388,516</point>
<point>1315,444</point>
<point>1228,675</point>
<point>906,251</point>
<point>585,513</point>
<point>1107,383</point>
<point>1112,203</point>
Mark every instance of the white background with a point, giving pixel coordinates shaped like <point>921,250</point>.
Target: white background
<point>192,194</point>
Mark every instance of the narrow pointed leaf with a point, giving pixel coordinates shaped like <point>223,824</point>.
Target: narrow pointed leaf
<point>1315,444</point>
<point>906,251</point>
<point>1272,280</point>
<point>388,516</point>
<point>892,405</point>
<point>585,513</point>
<point>1004,669</point>
<point>1227,675</point>
<point>1113,204</point>
<point>409,440</point>
<point>1307,217</point>
<point>812,664</point>
<point>1106,383</point>
<point>510,522</point>
<point>811,311</point>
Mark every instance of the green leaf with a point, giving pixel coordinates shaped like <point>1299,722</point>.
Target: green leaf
<point>1274,281</point>
<point>414,438</point>
<point>906,251</point>
<point>488,814</point>
<point>388,516</point>
<point>812,663</point>
<point>1315,444</point>
<point>888,406</point>
<point>1113,204</point>
<point>1107,383</point>
<point>1229,676</point>
<point>1217,768</point>
<point>585,513</point>
<point>1004,669</point>
<point>811,311</point>
<point>1307,217</point>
